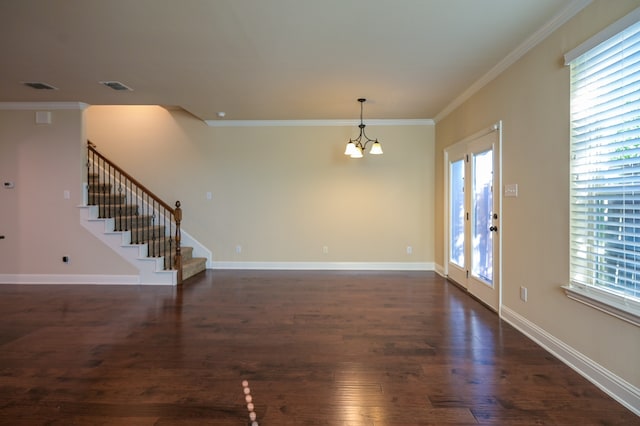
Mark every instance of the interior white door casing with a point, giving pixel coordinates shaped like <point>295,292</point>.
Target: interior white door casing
<point>473,213</point>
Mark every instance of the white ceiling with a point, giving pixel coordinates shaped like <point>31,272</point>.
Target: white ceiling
<point>266,59</point>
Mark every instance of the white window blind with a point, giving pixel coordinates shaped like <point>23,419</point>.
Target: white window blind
<point>605,168</point>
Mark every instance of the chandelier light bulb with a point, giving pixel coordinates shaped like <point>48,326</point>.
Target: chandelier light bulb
<point>376,148</point>
<point>351,149</point>
<point>357,153</point>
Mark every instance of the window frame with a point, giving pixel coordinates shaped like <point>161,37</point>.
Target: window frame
<point>612,302</point>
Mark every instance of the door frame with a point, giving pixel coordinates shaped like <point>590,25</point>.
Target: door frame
<point>497,193</point>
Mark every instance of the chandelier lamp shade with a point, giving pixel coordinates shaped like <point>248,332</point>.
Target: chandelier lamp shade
<point>356,147</point>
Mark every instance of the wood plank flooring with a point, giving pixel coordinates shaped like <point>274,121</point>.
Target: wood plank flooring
<point>318,348</point>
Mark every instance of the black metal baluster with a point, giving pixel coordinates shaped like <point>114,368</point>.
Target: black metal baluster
<point>145,232</point>
<point>130,201</point>
<point>89,173</point>
<point>137,227</point>
<point>167,239</point>
<point>94,176</point>
<point>170,237</point>
<point>100,194</point>
<point>111,194</point>
<point>152,221</point>
<point>116,199</point>
<point>146,213</point>
<point>149,225</point>
<point>122,203</point>
<point>126,204</point>
<point>155,239</point>
<point>163,236</point>
<point>106,198</point>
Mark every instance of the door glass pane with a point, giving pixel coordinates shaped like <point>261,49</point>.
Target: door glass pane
<point>457,213</point>
<point>482,256</point>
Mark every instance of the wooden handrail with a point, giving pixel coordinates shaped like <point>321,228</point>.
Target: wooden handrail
<point>92,148</point>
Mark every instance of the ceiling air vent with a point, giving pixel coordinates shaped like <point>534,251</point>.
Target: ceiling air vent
<point>116,85</point>
<point>39,85</point>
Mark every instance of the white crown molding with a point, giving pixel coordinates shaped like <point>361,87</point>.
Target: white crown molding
<point>615,386</point>
<point>567,13</point>
<point>328,266</point>
<point>21,106</point>
<point>69,279</point>
<point>317,123</point>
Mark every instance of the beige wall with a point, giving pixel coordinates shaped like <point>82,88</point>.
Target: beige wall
<point>532,100</point>
<point>40,225</point>
<point>282,193</point>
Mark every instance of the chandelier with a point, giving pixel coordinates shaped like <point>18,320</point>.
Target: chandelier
<point>356,147</point>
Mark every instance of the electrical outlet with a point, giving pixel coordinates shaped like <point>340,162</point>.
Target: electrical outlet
<point>325,249</point>
<point>66,259</point>
<point>238,249</point>
<point>523,294</point>
<point>209,196</point>
<point>409,250</point>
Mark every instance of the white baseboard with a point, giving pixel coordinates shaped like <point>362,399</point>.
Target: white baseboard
<point>68,279</point>
<point>327,266</point>
<point>135,279</point>
<point>616,387</point>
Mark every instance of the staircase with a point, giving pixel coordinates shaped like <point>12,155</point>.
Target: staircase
<point>138,224</point>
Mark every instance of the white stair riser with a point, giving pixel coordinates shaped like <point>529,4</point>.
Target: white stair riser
<point>151,269</point>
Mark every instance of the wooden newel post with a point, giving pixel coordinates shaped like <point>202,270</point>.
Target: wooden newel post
<point>177,263</point>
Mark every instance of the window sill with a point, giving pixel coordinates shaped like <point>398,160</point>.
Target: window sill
<point>619,306</point>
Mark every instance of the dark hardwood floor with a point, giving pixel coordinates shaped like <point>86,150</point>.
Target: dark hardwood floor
<point>318,348</point>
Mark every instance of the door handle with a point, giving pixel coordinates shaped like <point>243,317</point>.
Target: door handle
<point>493,228</point>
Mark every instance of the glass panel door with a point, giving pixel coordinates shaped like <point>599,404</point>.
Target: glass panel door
<point>483,279</point>
<point>473,215</point>
<point>457,206</point>
<point>457,253</point>
<point>482,253</point>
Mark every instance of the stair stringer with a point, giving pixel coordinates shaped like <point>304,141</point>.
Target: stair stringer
<point>199,249</point>
<point>150,270</point>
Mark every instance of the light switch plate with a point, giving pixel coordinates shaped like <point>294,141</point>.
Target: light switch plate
<point>511,190</point>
